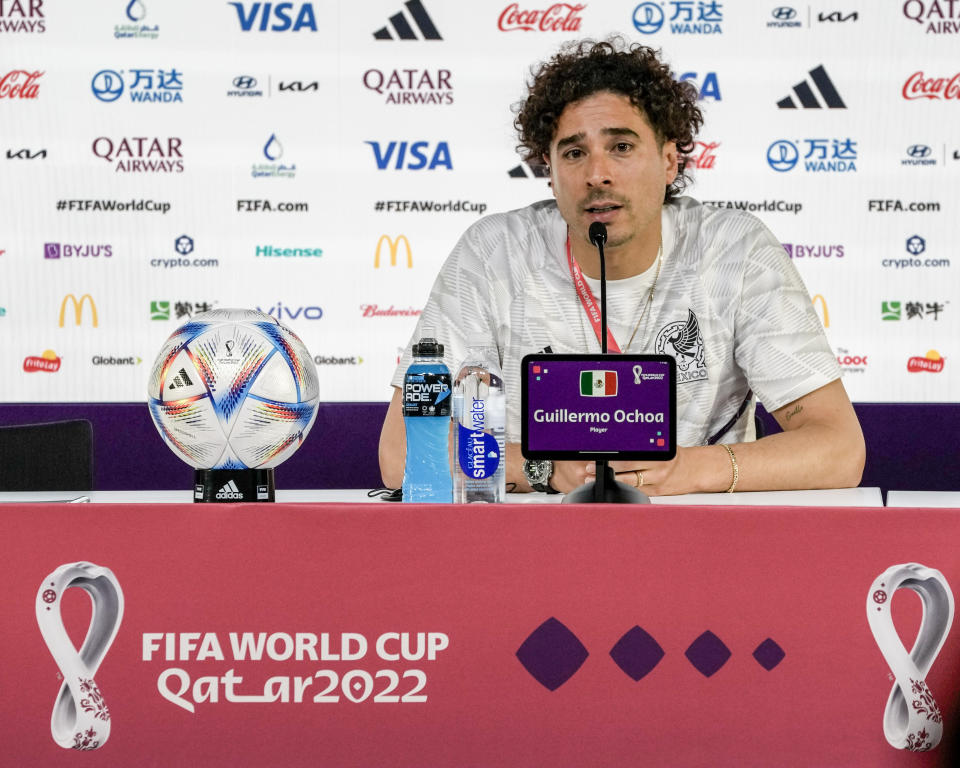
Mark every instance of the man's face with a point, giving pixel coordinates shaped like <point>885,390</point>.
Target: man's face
<point>605,165</point>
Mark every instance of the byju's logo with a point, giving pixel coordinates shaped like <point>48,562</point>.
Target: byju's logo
<point>784,17</point>
<point>273,151</point>
<point>136,12</point>
<point>393,246</point>
<point>245,86</point>
<point>933,88</point>
<point>78,251</point>
<point>20,84</point>
<point>18,18</point>
<point>648,18</point>
<point>403,29</point>
<point>709,88</point>
<point>275,17</point>
<point>918,154</point>
<point>146,85</point>
<point>141,154</point>
<point>183,245</point>
<point>805,94</point>
<point>26,154</point>
<point>420,155</point>
<point>410,86</point>
<point>798,251</point>
<point>941,18</point>
<point>916,245</point>
<point>559,17</point>
<point>823,155</point>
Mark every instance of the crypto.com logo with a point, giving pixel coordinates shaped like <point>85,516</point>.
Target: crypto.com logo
<point>393,245</point>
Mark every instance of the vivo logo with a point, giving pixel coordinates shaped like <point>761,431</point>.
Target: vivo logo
<point>396,151</point>
<point>281,311</point>
<point>282,16</point>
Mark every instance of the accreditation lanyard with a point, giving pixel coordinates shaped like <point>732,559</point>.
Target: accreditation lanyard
<point>589,303</point>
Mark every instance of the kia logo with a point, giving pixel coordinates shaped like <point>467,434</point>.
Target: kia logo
<point>783,13</point>
<point>919,150</point>
<point>245,82</point>
<point>782,155</point>
<point>107,85</point>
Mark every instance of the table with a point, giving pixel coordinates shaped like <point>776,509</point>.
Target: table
<point>950,499</point>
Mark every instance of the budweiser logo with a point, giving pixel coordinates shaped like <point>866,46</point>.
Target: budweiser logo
<point>559,17</point>
<point>375,310</point>
<point>702,156</point>
<point>48,362</point>
<point>20,84</point>
<point>932,363</point>
<point>920,87</point>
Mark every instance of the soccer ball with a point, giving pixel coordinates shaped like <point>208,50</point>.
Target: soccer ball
<point>233,389</point>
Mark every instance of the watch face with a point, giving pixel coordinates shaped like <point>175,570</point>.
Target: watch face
<point>537,471</point>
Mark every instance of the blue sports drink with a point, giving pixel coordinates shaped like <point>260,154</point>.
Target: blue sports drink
<point>426,416</point>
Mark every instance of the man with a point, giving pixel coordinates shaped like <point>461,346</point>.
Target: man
<point>711,287</point>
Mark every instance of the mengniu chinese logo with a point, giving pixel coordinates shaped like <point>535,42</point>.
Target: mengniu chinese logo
<point>78,306</point>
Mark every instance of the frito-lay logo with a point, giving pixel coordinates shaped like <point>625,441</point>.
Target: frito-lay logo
<point>931,363</point>
<point>394,245</point>
<point>78,308</point>
<point>48,362</point>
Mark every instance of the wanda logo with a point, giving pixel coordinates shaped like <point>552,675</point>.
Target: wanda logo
<point>559,17</point>
<point>920,87</point>
<point>20,84</point>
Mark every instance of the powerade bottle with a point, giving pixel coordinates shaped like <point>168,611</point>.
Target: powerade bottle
<point>426,415</point>
<point>479,414</point>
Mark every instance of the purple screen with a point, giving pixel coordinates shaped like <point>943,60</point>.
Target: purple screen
<point>608,404</point>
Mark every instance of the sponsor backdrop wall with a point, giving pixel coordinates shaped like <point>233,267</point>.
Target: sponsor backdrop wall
<point>318,160</point>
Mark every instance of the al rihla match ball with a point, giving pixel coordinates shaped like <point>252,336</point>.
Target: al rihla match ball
<point>233,389</point>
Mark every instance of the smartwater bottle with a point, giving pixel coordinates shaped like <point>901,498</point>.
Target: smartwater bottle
<point>426,415</point>
<point>479,414</point>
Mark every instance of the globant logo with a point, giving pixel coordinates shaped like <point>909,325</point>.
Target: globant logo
<point>784,17</point>
<point>709,89</point>
<point>797,251</point>
<point>17,18</point>
<point>649,18</point>
<point>823,155</point>
<point>282,312</point>
<point>336,360</point>
<point>245,86</point>
<point>919,87</point>
<point>410,86</point>
<point>932,362</point>
<point>48,362</point>
<point>940,16</point>
<point>420,155</point>
<point>20,84</point>
<point>136,12</point>
<point>141,154</point>
<point>113,361</point>
<point>273,150</point>
<point>558,17</point>
<point>703,157</point>
<point>286,17</point>
<point>154,85</point>
<point>375,310</point>
<point>274,252</point>
<point>918,154</point>
<point>73,250</point>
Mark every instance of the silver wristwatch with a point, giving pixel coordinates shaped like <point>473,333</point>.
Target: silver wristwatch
<point>537,472</point>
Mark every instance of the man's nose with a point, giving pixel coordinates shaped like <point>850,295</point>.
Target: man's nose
<point>598,171</point>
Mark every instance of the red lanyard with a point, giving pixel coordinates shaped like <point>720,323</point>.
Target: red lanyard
<point>589,303</point>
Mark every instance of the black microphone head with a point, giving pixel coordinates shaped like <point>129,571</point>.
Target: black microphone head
<point>598,233</point>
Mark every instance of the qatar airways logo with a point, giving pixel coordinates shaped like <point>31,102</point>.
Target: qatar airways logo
<point>20,84</point>
<point>920,87</point>
<point>559,17</point>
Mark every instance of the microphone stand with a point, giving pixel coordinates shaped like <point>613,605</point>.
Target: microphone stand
<point>606,489</point>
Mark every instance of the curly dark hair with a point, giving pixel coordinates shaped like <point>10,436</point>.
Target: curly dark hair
<point>582,68</point>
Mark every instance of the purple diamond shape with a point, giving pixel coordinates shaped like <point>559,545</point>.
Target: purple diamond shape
<point>707,653</point>
<point>552,654</point>
<point>636,653</point>
<point>768,654</point>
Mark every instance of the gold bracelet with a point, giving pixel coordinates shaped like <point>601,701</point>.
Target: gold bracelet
<point>734,467</point>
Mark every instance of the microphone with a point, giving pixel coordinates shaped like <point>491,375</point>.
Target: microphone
<point>598,233</point>
<point>598,236</point>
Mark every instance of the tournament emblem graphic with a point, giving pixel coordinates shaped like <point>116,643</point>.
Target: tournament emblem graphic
<point>912,719</point>
<point>80,719</point>
<point>682,339</point>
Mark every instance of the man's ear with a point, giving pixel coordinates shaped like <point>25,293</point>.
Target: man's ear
<point>546,162</point>
<point>671,164</point>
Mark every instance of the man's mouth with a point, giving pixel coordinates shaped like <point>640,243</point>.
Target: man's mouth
<point>602,208</point>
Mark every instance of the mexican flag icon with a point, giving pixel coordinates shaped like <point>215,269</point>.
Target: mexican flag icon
<point>598,383</point>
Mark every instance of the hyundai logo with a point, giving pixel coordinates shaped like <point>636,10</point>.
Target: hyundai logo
<point>782,155</point>
<point>783,13</point>
<point>107,85</point>
<point>919,150</point>
<point>647,18</point>
<point>245,82</point>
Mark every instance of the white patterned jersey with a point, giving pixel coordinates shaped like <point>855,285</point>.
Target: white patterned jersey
<point>728,305</point>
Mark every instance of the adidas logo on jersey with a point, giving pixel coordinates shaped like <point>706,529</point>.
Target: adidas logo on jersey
<point>180,380</point>
<point>229,491</point>
<point>808,99</point>
<point>402,27</point>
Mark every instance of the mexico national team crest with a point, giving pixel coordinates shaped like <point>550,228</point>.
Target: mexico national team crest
<point>682,339</point>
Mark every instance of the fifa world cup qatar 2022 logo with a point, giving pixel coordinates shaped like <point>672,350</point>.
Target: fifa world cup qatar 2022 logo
<point>80,719</point>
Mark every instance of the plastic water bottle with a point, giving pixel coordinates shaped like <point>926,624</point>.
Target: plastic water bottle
<point>426,416</point>
<point>479,413</point>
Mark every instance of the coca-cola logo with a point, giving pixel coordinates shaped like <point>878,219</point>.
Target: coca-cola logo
<point>559,17</point>
<point>703,155</point>
<point>930,363</point>
<point>920,87</point>
<point>20,84</point>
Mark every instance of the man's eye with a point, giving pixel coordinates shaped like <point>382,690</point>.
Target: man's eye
<point>573,154</point>
<point>623,146</point>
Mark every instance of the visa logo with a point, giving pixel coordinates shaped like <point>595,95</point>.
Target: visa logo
<point>708,89</point>
<point>281,13</point>
<point>397,151</point>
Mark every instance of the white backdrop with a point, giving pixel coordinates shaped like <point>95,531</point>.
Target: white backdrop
<point>887,320</point>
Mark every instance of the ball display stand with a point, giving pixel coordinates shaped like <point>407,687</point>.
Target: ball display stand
<point>233,486</point>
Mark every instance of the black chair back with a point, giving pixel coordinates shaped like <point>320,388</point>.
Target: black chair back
<point>56,456</point>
